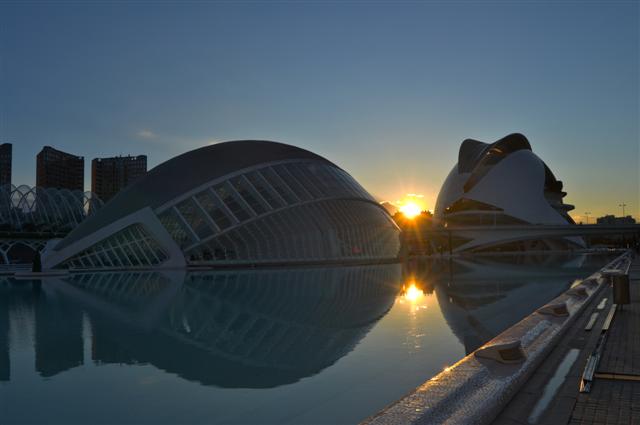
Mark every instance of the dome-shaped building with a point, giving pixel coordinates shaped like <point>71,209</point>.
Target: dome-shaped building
<point>498,184</point>
<point>234,203</point>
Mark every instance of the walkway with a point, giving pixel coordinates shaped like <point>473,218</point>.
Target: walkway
<point>617,400</point>
<point>551,395</point>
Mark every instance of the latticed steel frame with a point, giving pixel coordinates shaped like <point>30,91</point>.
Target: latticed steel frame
<point>44,209</point>
<point>295,210</point>
<point>132,247</point>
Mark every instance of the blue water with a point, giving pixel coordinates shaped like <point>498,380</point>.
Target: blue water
<point>303,345</point>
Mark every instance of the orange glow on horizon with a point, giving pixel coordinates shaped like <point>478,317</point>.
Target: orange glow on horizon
<point>410,209</point>
<point>411,206</point>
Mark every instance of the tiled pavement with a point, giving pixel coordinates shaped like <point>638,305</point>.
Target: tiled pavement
<point>622,351</point>
<point>610,401</point>
<point>616,401</point>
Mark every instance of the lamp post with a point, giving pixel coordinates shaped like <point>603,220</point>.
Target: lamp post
<point>587,215</point>
<point>622,205</point>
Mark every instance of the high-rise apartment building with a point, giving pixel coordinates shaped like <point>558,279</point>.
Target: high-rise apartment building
<point>5,163</point>
<point>111,175</point>
<point>59,169</point>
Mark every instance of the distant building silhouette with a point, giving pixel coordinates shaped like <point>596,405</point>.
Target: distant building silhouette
<point>59,169</point>
<point>5,163</point>
<point>110,175</point>
<point>613,220</point>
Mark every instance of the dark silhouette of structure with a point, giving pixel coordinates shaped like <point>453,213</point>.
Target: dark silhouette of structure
<point>59,169</point>
<point>611,219</point>
<point>110,175</point>
<point>6,156</point>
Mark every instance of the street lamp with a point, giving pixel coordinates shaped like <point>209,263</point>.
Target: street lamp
<point>587,215</point>
<point>622,205</point>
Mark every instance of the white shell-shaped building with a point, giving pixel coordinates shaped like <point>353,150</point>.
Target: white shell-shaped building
<point>234,203</point>
<point>500,184</point>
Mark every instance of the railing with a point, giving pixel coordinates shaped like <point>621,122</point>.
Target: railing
<point>477,388</point>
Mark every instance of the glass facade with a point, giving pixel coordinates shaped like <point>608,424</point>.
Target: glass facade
<point>302,211</point>
<point>130,247</point>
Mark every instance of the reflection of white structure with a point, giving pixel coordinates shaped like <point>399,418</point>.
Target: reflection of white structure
<point>249,328</point>
<point>245,202</point>
<point>501,184</point>
<point>481,298</point>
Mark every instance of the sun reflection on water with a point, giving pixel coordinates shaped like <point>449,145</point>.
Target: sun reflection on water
<point>413,293</point>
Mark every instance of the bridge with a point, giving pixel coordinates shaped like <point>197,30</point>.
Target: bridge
<point>465,238</point>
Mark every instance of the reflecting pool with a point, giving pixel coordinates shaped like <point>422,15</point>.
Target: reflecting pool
<point>301,345</point>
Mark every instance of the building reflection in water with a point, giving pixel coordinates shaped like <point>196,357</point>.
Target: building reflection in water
<point>267,328</point>
<point>241,329</point>
<point>482,296</point>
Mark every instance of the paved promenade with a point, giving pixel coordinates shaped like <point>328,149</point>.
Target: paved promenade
<point>552,396</point>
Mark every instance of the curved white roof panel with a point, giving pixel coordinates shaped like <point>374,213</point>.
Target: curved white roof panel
<point>183,172</point>
<point>502,183</point>
<point>234,203</point>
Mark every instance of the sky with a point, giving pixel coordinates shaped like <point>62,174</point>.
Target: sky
<point>386,90</point>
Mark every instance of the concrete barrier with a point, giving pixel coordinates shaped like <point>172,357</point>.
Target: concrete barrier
<point>477,388</point>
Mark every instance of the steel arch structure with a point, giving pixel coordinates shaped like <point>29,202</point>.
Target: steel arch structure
<point>27,209</point>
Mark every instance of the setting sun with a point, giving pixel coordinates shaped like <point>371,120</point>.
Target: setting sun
<point>410,209</point>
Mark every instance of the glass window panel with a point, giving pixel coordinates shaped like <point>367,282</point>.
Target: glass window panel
<point>267,193</point>
<point>160,254</point>
<point>279,185</point>
<point>94,260</point>
<point>265,240</point>
<point>292,182</point>
<point>272,239</point>
<point>243,188</point>
<point>334,186</point>
<point>229,247</point>
<point>242,250</point>
<point>148,250</point>
<point>194,218</point>
<point>250,241</point>
<point>218,250</point>
<point>303,176</point>
<point>124,259</point>
<point>175,228</point>
<point>114,258</point>
<point>138,252</point>
<point>315,174</point>
<point>129,254</point>
<point>234,206</point>
<point>105,259</point>
<point>354,184</point>
<point>217,214</point>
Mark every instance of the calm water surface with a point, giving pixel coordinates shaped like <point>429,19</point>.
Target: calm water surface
<point>314,345</point>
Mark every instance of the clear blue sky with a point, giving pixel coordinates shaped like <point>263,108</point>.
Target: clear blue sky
<point>386,90</point>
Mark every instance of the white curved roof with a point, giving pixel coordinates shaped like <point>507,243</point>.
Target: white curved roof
<point>505,174</point>
<point>184,172</point>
